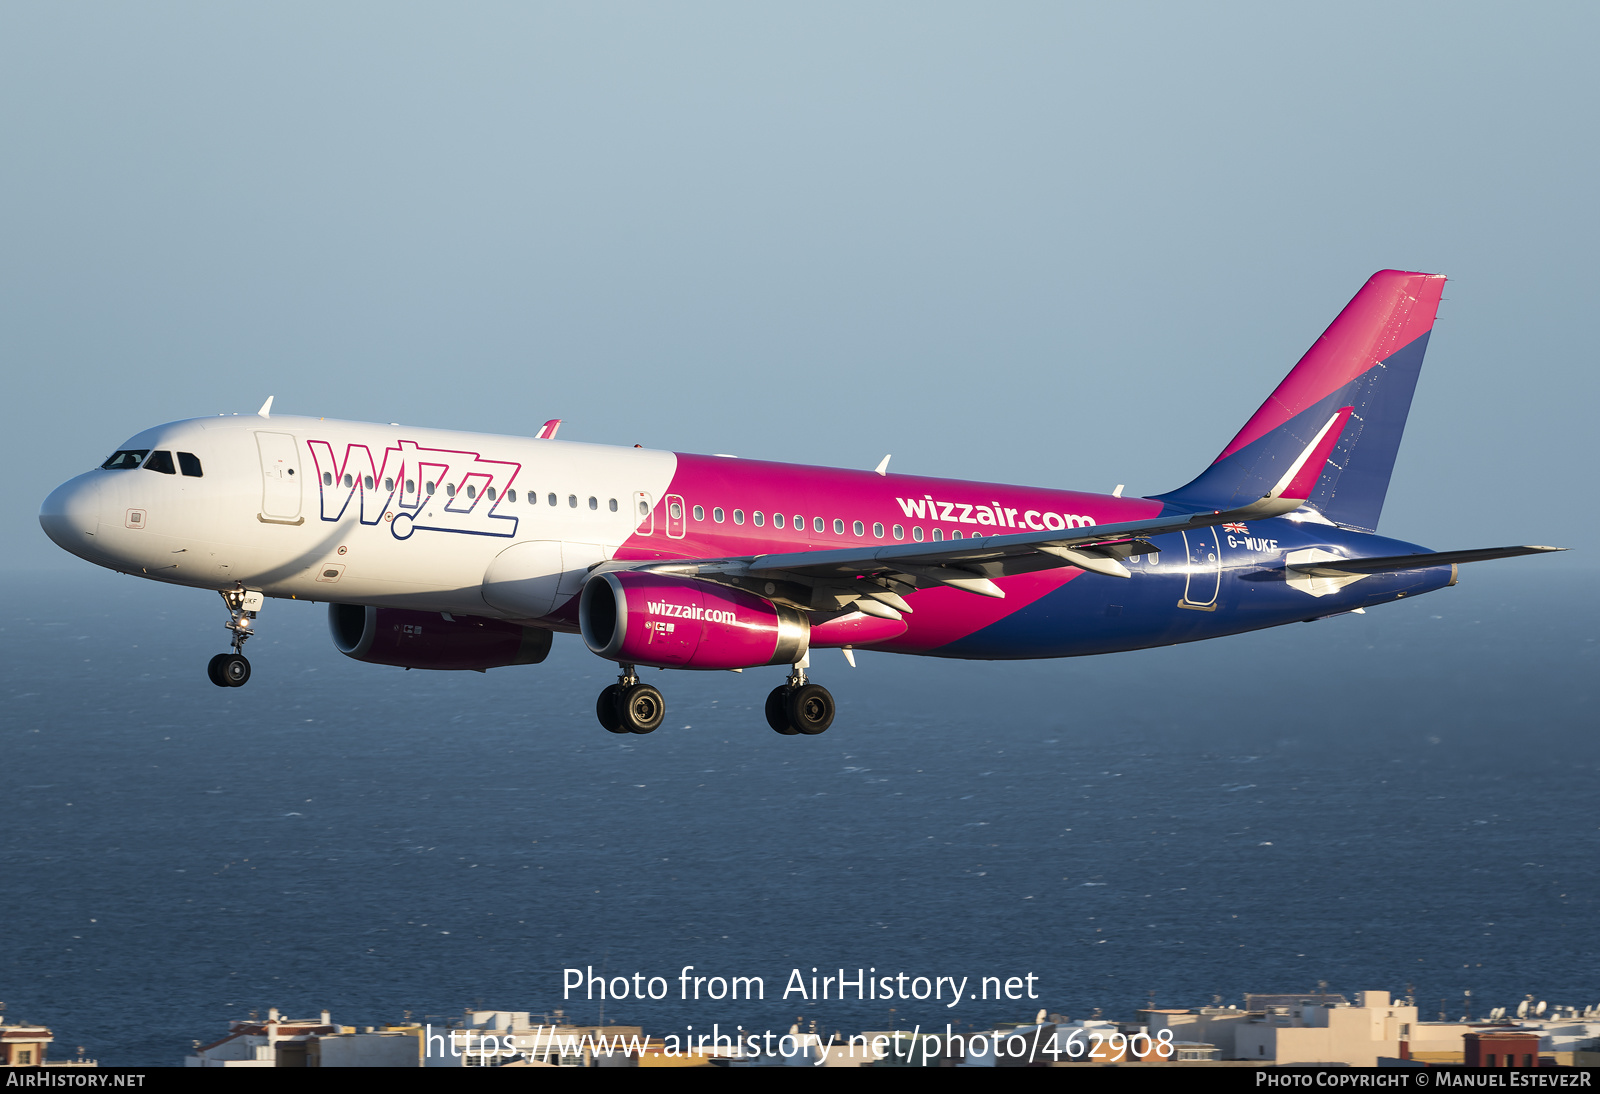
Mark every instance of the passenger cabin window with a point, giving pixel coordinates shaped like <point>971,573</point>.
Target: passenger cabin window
<point>777,520</point>
<point>552,499</point>
<point>757,519</point>
<point>818,524</point>
<point>511,495</point>
<point>877,531</point>
<point>916,533</point>
<point>899,531</point>
<point>125,460</point>
<point>594,504</point>
<point>366,482</point>
<point>327,478</point>
<point>388,484</point>
<point>838,526</point>
<point>699,512</point>
<point>613,505</point>
<point>717,514</point>
<point>189,464</point>
<point>572,501</point>
<point>738,516</point>
<point>162,462</point>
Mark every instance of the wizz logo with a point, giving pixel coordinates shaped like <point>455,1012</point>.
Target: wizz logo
<point>439,489</point>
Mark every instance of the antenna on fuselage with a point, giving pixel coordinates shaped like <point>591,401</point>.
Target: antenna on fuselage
<point>883,466</point>
<point>266,408</point>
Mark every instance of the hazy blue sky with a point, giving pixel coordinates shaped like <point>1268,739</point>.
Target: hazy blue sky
<point>1050,244</point>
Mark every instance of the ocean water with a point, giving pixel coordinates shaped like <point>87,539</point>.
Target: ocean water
<point>1400,801</point>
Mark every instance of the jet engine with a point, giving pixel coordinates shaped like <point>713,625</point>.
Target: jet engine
<point>666,621</point>
<point>433,640</point>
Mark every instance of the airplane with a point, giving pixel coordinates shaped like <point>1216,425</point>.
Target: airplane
<point>436,549</point>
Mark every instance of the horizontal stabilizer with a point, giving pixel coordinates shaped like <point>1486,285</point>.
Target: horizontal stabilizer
<point>1335,567</point>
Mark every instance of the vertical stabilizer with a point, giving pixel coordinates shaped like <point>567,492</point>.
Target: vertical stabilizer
<point>1367,363</point>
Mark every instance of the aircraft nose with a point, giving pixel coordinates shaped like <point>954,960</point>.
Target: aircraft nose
<point>71,514</point>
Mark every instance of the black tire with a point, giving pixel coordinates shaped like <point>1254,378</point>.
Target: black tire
<point>778,711</point>
<point>605,709</point>
<point>234,670</point>
<point>810,709</point>
<point>214,670</point>
<point>641,708</point>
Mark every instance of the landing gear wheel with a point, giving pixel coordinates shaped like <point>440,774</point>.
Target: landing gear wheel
<point>810,709</point>
<point>214,670</point>
<point>233,669</point>
<point>778,711</point>
<point>641,708</point>
<point>605,709</point>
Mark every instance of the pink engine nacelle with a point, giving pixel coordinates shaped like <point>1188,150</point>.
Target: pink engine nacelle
<point>673,622</point>
<point>432,640</point>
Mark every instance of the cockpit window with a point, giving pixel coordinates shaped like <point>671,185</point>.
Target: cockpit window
<point>161,461</point>
<point>190,463</point>
<point>125,460</point>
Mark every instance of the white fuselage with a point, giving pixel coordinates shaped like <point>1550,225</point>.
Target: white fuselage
<point>265,515</point>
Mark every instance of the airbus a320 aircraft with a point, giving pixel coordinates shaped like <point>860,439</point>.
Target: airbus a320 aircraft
<point>445,550</point>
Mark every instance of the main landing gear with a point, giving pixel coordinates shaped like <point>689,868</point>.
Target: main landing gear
<point>232,670</point>
<point>800,706</point>
<point>629,706</point>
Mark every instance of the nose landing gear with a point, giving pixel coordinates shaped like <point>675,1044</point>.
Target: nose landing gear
<point>799,706</point>
<point>232,670</point>
<point>629,706</point>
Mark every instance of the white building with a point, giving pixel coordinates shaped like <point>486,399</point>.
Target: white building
<point>1317,1033</point>
<point>307,1042</point>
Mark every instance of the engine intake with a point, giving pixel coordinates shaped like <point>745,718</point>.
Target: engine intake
<point>431,640</point>
<point>678,622</point>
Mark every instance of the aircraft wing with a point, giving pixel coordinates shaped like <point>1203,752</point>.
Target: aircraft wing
<point>1343,566</point>
<point>874,579</point>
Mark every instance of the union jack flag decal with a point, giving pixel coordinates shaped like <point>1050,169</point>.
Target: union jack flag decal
<point>1241,529</point>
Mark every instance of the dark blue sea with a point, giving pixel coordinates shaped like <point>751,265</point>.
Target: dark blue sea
<point>1404,800</point>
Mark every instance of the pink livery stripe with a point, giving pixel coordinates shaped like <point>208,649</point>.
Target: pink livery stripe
<point>1392,310</point>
